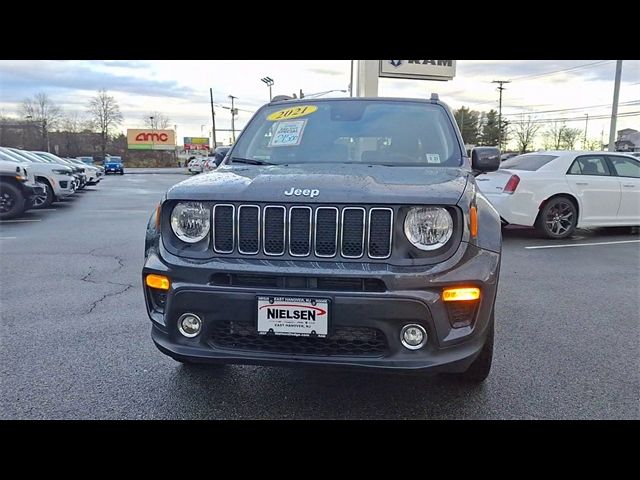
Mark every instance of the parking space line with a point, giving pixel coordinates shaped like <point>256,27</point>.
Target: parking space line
<point>582,244</point>
<point>8,238</point>
<point>20,220</point>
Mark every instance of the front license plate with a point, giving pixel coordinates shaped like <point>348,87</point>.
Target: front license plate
<point>293,316</point>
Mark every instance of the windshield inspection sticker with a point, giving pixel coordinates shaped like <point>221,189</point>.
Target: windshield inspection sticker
<point>433,158</point>
<point>287,134</point>
<point>292,112</point>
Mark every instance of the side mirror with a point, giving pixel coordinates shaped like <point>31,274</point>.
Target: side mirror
<point>485,159</point>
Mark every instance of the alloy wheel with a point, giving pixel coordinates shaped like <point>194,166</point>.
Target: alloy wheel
<point>40,200</point>
<point>7,201</point>
<point>559,218</point>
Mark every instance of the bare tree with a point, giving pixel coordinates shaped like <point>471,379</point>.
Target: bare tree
<point>570,136</point>
<point>553,136</point>
<point>43,112</point>
<point>156,121</point>
<point>105,115</point>
<point>525,132</point>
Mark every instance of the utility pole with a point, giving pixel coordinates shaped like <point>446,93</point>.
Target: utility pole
<point>213,119</point>
<point>462,122</point>
<point>500,88</point>
<point>233,115</point>
<point>614,108</point>
<point>586,125</point>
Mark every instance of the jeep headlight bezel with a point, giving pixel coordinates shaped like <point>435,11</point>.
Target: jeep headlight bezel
<point>428,228</point>
<point>191,221</point>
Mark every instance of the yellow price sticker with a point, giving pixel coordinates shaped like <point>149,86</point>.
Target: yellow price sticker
<point>292,112</point>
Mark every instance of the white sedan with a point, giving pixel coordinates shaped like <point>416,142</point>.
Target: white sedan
<point>557,191</point>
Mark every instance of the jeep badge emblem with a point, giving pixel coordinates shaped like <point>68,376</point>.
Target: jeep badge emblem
<point>298,191</point>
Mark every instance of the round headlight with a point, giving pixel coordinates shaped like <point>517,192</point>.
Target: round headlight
<point>190,221</point>
<point>428,228</point>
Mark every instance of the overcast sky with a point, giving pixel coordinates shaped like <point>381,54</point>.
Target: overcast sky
<point>180,88</point>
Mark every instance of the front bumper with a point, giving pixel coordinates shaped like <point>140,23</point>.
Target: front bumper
<point>412,295</point>
<point>64,185</point>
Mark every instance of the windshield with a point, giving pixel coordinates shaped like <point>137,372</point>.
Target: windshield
<point>22,154</point>
<point>8,158</point>
<point>354,131</point>
<point>530,163</point>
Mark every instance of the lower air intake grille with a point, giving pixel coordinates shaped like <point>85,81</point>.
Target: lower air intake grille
<point>343,341</point>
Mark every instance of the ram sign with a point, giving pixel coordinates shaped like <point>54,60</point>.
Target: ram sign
<point>138,139</point>
<point>196,143</point>
<point>418,69</point>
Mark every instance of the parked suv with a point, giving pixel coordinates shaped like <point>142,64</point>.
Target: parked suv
<point>58,179</point>
<point>113,165</point>
<point>17,189</point>
<point>339,232</point>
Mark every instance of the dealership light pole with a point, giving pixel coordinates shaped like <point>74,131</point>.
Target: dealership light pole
<point>213,118</point>
<point>269,83</point>
<point>500,88</point>
<point>351,81</point>
<point>614,109</point>
<point>153,128</point>
<point>233,115</point>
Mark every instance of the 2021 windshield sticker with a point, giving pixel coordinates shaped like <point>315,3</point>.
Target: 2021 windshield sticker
<point>287,134</point>
<point>292,112</point>
<point>433,158</point>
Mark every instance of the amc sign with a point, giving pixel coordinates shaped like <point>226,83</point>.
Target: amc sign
<point>151,139</point>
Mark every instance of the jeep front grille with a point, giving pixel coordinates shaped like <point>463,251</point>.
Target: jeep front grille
<point>302,231</point>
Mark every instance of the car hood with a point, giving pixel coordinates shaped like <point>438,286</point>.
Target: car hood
<point>335,183</point>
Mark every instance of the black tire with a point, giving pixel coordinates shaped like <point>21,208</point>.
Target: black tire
<point>558,218</point>
<point>12,201</point>
<point>121,172</point>
<point>47,199</point>
<point>481,366</point>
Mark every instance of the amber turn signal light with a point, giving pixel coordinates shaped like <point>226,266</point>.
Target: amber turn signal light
<point>459,294</point>
<point>160,282</point>
<point>473,214</point>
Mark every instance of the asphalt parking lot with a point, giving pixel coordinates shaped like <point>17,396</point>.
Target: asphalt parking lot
<point>75,339</point>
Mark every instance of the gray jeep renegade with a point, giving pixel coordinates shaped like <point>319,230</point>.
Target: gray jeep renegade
<point>336,232</point>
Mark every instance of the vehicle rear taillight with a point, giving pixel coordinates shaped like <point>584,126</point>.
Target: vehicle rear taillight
<point>512,184</point>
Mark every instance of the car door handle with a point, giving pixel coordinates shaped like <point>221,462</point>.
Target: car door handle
<point>629,186</point>
<point>582,183</point>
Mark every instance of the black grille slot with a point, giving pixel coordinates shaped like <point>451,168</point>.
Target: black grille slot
<point>248,229</point>
<point>300,231</point>
<point>298,282</point>
<point>273,234</point>
<point>326,231</point>
<point>342,341</point>
<point>380,224</point>
<point>223,228</point>
<point>352,232</point>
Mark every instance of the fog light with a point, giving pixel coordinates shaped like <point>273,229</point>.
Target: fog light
<point>413,336</point>
<point>189,325</point>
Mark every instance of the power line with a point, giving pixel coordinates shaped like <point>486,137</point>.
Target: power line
<point>574,119</point>
<point>533,112</point>
<point>538,75</point>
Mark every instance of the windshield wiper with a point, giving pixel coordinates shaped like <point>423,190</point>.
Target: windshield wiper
<point>250,161</point>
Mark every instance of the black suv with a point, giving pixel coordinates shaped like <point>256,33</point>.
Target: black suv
<point>339,232</point>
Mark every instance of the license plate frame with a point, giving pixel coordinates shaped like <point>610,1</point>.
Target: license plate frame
<point>312,320</point>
